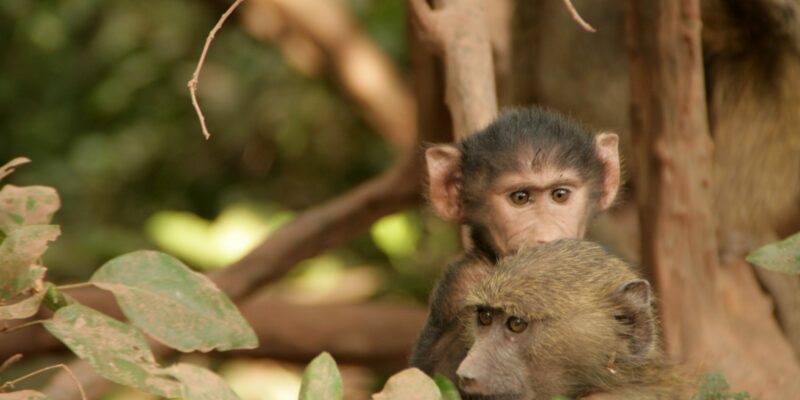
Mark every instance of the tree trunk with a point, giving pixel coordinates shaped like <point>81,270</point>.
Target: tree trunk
<point>714,318</point>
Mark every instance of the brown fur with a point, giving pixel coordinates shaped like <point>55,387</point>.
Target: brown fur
<point>468,183</point>
<point>592,329</point>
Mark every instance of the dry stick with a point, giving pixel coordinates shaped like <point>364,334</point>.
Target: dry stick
<point>10,384</point>
<point>196,75</point>
<point>577,17</point>
<point>20,326</point>
<point>11,360</point>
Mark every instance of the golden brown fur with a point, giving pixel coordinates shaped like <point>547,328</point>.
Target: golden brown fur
<point>593,327</point>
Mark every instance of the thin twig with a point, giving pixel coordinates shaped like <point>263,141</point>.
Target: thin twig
<point>11,383</point>
<point>11,360</point>
<point>74,286</point>
<point>20,326</point>
<point>196,75</point>
<point>577,17</point>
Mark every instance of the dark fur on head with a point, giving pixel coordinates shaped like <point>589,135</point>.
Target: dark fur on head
<point>547,138</point>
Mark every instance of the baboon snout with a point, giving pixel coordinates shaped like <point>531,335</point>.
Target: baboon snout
<point>469,377</point>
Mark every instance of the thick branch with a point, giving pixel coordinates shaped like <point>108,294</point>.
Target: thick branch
<point>458,31</point>
<point>707,318</point>
<point>324,227</point>
<point>331,224</point>
<point>365,72</point>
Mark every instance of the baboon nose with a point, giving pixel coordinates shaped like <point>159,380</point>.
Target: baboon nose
<point>466,382</point>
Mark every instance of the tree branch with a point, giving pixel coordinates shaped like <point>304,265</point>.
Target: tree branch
<point>324,227</point>
<point>318,230</point>
<point>458,30</point>
<point>714,317</point>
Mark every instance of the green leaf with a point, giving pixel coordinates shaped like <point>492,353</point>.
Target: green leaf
<point>173,304</point>
<point>24,308</point>
<point>115,350</point>
<point>18,253</point>
<point>783,256</point>
<point>55,299</point>
<point>23,395</point>
<point>9,167</point>
<point>448,389</point>
<point>201,384</point>
<point>29,205</point>
<point>321,380</point>
<point>410,383</point>
<point>397,235</point>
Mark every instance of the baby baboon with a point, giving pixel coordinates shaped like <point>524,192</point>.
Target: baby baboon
<point>530,177</point>
<point>565,318</point>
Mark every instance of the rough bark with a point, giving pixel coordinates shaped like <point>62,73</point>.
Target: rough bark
<point>713,317</point>
<point>457,30</point>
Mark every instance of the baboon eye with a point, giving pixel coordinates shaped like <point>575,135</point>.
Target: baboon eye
<point>520,197</point>
<point>516,324</point>
<point>484,317</point>
<point>560,195</point>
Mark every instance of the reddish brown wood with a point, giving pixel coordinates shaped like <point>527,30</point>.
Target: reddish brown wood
<point>458,30</point>
<point>714,317</point>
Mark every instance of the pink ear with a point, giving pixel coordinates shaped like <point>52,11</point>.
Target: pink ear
<point>444,179</point>
<point>608,151</point>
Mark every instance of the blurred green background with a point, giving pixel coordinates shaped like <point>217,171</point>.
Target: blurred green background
<point>94,92</point>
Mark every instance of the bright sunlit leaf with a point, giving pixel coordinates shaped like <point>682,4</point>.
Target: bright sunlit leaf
<point>397,235</point>
<point>262,379</point>
<point>213,244</point>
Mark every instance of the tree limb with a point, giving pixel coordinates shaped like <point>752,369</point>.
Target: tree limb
<point>326,226</point>
<point>716,318</point>
<point>458,31</point>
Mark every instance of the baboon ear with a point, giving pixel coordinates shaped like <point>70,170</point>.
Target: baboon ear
<point>444,179</point>
<point>607,145</point>
<point>636,315</point>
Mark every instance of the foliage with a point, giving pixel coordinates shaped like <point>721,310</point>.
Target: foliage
<point>321,380</point>
<point>783,256</point>
<point>96,92</point>
<point>161,297</point>
<point>716,387</point>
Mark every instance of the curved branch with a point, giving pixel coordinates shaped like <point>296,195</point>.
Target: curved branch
<point>324,227</point>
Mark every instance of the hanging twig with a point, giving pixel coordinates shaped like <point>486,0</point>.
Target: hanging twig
<point>10,384</point>
<point>577,17</point>
<point>196,75</point>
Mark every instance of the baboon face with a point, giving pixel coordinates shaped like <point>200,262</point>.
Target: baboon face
<point>530,177</point>
<point>495,364</point>
<point>564,318</point>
